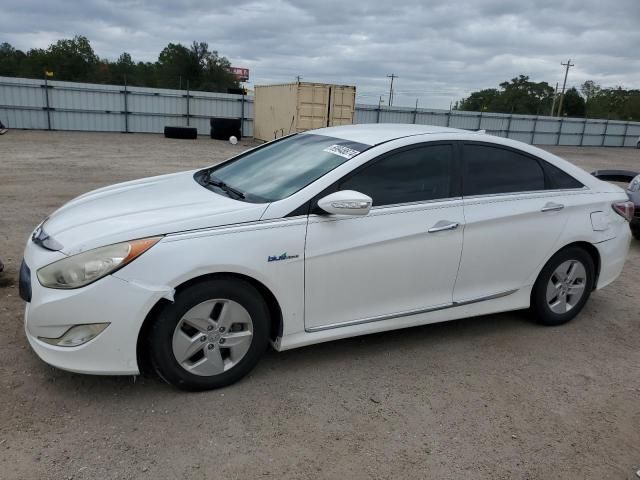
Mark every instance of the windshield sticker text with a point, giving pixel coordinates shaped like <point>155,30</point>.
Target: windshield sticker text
<point>342,151</point>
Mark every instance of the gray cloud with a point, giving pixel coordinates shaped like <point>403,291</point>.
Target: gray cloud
<point>440,50</point>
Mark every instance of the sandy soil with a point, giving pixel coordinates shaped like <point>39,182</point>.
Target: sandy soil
<point>489,397</point>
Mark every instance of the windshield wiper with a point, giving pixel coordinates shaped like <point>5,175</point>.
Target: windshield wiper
<point>216,182</point>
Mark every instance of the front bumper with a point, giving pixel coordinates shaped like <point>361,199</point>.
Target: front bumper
<point>122,304</point>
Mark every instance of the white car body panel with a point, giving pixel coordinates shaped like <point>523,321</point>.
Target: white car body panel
<point>349,261</point>
<point>144,208</point>
<point>332,276</point>
<point>506,236</point>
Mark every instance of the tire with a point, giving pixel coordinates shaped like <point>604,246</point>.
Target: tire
<point>224,302</point>
<point>186,133</point>
<point>224,134</point>
<point>549,310</point>
<point>222,122</point>
<point>223,128</point>
<point>635,231</point>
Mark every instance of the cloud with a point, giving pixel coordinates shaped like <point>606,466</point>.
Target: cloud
<point>440,50</point>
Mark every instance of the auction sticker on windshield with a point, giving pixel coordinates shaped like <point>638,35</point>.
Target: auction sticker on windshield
<point>342,151</point>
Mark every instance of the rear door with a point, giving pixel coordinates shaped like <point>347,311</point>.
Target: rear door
<point>401,258</point>
<point>514,216</point>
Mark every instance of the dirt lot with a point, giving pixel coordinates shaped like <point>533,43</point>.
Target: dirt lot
<point>488,397</point>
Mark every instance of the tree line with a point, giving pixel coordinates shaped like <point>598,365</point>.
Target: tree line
<point>522,96</point>
<point>75,60</point>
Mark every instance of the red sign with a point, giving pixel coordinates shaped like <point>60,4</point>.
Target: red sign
<point>242,74</point>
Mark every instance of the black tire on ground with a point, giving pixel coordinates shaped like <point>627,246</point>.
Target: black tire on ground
<point>635,230</point>
<point>225,133</point>
<point>161,334</point>
<point>223,128</point>
<point>187,133</point>
<point>230,123</point>
<point>539,305</point>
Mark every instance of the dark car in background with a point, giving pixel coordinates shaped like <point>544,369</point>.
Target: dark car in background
<point>633,190</point>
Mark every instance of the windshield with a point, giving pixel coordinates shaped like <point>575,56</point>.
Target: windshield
<point>281,168</point>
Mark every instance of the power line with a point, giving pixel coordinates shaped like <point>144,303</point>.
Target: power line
<point>568,65</point>
<point>392,77</point>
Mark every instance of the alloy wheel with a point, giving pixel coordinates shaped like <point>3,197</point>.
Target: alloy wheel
<point>566,286</point>
<point>212,337</point>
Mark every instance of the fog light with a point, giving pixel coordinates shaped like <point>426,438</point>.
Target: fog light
<point>77,335</point>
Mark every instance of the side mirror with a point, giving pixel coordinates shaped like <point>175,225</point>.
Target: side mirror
<point>346,202</point>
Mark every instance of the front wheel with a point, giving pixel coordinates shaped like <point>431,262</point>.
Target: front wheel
<point>211,336</point>
<point>563,286</point>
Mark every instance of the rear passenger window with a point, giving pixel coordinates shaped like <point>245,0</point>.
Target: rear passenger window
<point>559,179</point>
<point>420,174</point>
<point>489,170</point>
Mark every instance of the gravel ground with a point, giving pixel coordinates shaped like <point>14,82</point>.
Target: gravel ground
<point>487,397</point>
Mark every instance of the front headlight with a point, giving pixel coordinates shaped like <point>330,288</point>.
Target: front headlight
<point>634,185</point>
<point>87,267</point>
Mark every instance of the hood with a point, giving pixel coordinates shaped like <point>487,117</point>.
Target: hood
<point>143,208</point>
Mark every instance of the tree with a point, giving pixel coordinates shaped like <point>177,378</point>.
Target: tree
<point>176,63</point>
<point>526,97</point>
<point>74,59</point>
<point>573,104</point>
<point>480,101</point>
<point>520,95</point>
<point>204,69</point>
<point>10,59</point>
<point>589,90</point>
<point>611,103</point>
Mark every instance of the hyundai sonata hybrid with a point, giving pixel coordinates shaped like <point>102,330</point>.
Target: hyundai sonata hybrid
<point>316,236</point>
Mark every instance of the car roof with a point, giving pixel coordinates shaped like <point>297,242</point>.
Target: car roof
<point>376,133</point>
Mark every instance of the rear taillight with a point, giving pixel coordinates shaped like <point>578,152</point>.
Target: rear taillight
<point>624,209</point>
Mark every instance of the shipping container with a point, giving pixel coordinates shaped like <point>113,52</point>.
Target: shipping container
<point>296,107</point>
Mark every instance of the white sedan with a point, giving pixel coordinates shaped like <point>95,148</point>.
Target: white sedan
<point>317,236</point>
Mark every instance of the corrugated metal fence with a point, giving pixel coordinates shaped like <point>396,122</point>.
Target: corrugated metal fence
<point>539,130</point>
<point>26,103</point>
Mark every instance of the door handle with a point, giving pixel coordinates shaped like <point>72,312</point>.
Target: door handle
<point>443,225</point>
<point>552,207</point>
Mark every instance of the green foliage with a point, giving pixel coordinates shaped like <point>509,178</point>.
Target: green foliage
<point>612,103</point>
<point>525,97</point>
<point>573,104</point>
<point>520,95</point>
<point>74,60</point>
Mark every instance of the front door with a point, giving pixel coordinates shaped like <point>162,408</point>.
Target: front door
<point>400,259</point>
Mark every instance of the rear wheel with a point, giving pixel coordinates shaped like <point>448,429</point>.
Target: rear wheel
<point>635,230</point>
<point>211,336</point>
<point>563,286</point>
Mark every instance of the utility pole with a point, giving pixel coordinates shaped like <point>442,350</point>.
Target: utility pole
<point>553,104</point>
<point>392,77</point>
<point>568,65</point>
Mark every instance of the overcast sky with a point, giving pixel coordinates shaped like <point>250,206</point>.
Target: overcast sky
<point>440,50</point>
